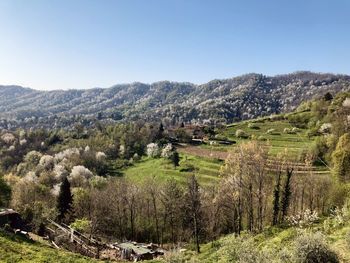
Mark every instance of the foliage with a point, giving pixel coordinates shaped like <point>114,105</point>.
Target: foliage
<point>64,200</point>
<point>313,248</point>
<point>341,158</point>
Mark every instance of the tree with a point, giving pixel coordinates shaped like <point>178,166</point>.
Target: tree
<point>175,158</point>
<point>247,165</point>
<point>328,96</point>
<point>286,194</point>
<point>280,165</point>
<point>5,193</point>
<point>160,132</point>
<point>193,207</point>
<point>172,198</point>
<point>341,158</point>
<point>65,199</point>
<point>276,200</point>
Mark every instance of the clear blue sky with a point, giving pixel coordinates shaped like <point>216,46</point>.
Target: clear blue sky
<point>47,44</point>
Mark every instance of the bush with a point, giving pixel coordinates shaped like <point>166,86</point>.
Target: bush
<point>241,134</point>
<point>272,132</point>
<point>313,248</point>
<point>243,250</point>
<point>253,126</point>
<point>261,138</point>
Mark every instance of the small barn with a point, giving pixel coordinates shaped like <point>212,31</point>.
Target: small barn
<point>10,217</point>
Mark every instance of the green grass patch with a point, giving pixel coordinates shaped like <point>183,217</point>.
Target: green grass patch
<point>17,249</point>
<point>207,170</point>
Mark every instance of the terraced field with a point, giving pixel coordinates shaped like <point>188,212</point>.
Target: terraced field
<point>277,139</point>
<point>206,169</point>
<point>205,160</point>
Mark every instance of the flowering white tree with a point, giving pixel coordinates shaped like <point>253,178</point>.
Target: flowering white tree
<point>346,103</point>
<point>101,156</point>
<point>60,172</point>
<point>66,154</point>
<point>23,142</point>
<point>79,175</point>
<point>153,150</point>
<point>8,138</point>
<point>305,219</point>
<point>167,151</point>
<point>47,162</point>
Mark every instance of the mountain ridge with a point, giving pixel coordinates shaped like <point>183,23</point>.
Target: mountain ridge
<point>220,100</point>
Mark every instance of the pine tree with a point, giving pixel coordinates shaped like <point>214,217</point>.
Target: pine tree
<point>5,193</point>
<point>160,132</point>
<point>65,199</point>
<point>286,194</point>
<point>276,200</point>
<point>175,158</point>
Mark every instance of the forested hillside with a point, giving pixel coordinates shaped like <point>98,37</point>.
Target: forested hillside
<point>265,180</point>
<point>218,101</point>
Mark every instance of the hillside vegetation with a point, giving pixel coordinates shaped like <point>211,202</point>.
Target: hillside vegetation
<point>252,185</point>
<point>17,249</point>
<point>218,101</point>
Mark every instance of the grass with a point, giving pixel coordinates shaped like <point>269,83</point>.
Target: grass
<point>275,239</point>
<point>14,248</point>
<point>296,143</point>
<point>206,170</point>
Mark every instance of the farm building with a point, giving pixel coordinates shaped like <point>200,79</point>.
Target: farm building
<point>10,217</point>
<point>137,252</point>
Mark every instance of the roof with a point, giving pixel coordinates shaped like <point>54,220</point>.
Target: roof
<point>4,212</point>
<point>136,248</point>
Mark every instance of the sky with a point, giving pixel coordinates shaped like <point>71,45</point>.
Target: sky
<point>73,44</point>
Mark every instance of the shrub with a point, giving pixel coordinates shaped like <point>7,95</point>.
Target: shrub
<point>295,130</point>
<point>241,134</point>
<point>253,126</point>
<point>325,128</point>
<point>313,248</point>
<point>261,138</point>
<point>243,250</point>
<point>272,132</point>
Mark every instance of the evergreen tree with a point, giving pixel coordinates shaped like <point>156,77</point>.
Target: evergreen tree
<point>276,200</point>
<point>65,199</point>
<point>175,158</point>
<point>286,194</point>
<point>328,96</point>
<point>5,193</point>
<point>160,132</point>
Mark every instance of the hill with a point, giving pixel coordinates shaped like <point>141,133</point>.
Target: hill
<point>239,98</point>
<point>16,249</point>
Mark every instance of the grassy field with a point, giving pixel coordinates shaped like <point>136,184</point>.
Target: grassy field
<point>203,159</point>
<point>278,139</point>
<point>207,170</point>
<point>17,249</point>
